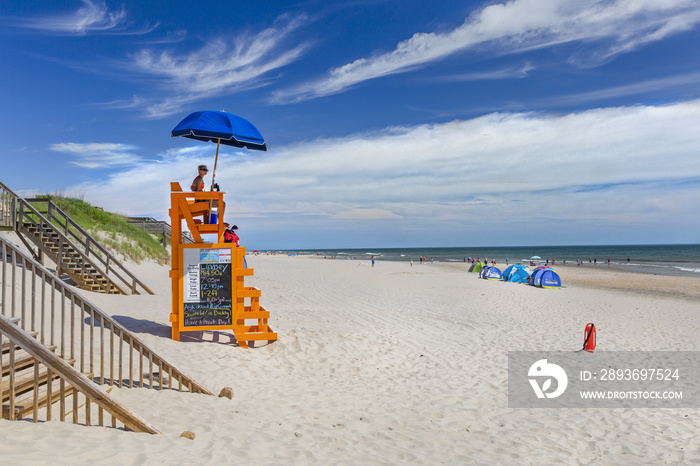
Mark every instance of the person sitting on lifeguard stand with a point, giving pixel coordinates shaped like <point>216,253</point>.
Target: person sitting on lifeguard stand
<point>198,186</point>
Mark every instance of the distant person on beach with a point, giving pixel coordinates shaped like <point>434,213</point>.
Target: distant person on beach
<point>372,261</point>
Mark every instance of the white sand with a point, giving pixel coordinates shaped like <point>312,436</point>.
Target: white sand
<point>386,365</point>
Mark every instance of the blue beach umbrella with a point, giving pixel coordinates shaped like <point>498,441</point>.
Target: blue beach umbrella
<point>220,128</point>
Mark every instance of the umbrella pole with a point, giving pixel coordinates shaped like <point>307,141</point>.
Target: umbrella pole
<point>213,203</point>
<point>216,160</point>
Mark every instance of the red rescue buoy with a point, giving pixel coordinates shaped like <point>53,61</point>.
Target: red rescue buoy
<point>589,338</point>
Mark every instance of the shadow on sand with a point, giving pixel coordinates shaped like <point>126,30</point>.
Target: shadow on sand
<point>164,331</point>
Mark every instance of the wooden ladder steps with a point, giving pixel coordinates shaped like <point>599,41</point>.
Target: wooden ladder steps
<point>6,344</point>
<point>24,404</point>
<point>23,360</point>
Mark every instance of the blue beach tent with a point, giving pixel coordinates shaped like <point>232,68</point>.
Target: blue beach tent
<point>550,279</point>
<point>536,277</point>
<point>518,275</point>
<point>484,271</point>
<point>493,273</point>
<point>512,268</point>
<point>508,270</point>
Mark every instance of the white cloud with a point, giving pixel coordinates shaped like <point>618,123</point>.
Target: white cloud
<point>220,67</point>
<point>90,18</point>
<point>612,169</point>
<point>98,155</point>
<point>607,27</point>
<point>366,214</point>
<point>681,81</point>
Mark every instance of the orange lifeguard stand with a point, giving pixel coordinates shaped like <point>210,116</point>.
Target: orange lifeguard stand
<point>208,290</point>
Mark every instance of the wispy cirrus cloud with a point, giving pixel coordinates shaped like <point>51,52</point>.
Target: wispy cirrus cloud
<point>607,28</point>
<point>91,18</point>
<point>502,73</point>
<point>220,67</point>
<point>98,154</point>
<point>680,81</point>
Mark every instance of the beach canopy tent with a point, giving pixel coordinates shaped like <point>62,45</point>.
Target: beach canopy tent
<point>550,279</point>
<point>511,270</point>
<point>518,276</point>
<point>476,267</point>
<point>493,273</point>
<point>536,276</point>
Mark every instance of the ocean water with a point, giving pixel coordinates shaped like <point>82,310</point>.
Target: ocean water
<point>662,259</point>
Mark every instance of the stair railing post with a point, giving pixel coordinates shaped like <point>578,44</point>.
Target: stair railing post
<point>13,213</point>
<point>59,266</point>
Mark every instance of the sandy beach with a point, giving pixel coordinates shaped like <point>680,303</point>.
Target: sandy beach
<point>389,364</point>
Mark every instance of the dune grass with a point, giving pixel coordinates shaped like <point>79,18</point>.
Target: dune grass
<point>114,232</point>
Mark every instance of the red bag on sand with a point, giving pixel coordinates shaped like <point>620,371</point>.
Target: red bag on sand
<point>589,338</point>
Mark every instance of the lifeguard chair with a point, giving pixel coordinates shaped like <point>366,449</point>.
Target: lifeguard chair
<point>208,290</point>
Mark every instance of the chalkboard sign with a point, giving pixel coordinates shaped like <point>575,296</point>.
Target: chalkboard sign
<point>207,289</point>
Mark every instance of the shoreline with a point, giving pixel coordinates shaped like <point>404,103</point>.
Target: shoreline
<point>589,276</point>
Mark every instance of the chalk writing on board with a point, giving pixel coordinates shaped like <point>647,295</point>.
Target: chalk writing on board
<point>212,305</point>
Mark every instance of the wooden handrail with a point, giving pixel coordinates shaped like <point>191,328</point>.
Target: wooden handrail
<point>90,330</point>
<point>69,374</point>
<point>64,220</point>
<point>153,226</point>
<point>25,213</point>
<point>8,204</point>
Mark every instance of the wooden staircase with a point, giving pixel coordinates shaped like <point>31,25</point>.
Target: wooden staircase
<point>74,251</point>
<point>61,354</point>
<point>34,379</point>
<point>25,383</point>
<point>68,258</point>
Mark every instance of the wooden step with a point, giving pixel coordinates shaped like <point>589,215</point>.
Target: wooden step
<point>24,382</point>
<point>6,344</point>
<point>23,360</point>
<point>25,404</point>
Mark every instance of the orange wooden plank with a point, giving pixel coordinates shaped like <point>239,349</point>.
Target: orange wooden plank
<point>190,222</point>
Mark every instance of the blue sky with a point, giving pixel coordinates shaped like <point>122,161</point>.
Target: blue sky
<point>389,123</point>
